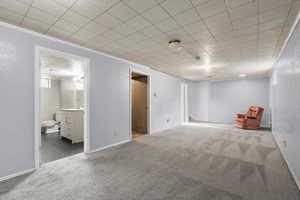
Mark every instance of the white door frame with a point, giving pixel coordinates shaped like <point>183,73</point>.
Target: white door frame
<point>184,103</point>
<point>148,101</point>
<point>37,100</point>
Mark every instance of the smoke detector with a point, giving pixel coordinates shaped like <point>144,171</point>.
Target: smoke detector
<point>175,45</point>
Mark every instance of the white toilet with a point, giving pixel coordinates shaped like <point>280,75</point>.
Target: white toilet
<point>49,126</point>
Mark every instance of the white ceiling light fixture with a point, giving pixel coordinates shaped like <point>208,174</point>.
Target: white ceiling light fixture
<point>175,45</point>
<point>243,75</point>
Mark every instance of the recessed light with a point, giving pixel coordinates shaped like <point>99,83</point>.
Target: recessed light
<point>243,75</point>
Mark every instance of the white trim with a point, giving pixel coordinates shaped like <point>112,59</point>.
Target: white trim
<point>16,174</point>
<point>37,125</point>
<point>37,97</point>
<point>287,162</point>
<point>109,146</point>
<point>131,70</point>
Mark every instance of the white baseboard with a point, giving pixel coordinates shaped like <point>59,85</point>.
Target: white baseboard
<point>109,146</point>
<point>287,162</point>
<point>16,174</point>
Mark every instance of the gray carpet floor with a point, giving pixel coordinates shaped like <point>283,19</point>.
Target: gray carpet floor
<point>54,148</point>
<point>197,161</point>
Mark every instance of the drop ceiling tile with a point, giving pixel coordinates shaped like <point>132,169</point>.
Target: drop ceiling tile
<point>245,22</point>
<point>197,2</point>
<point>140,5</point>
<point>28,2</point>
<point>211,8</point>
<point>181,35</point>
<point>250,30</point>
<point>41,15</point>
<point>155,14</point>
<point>124,29</point>
<point>125,42</point>
<point>162,40</point>
<point>277,13</point>
<point>75,40</point>
<point>219,19</point>
<point>167,25</point>
<point>122,11</point>
<point>108,20</point>
<point>271,4</point>
<point>204,38</point>
<point>247,10</point>
<point>225,36</point>
<point>75,18</point>
<point>277,23</point>
<point>97,42</point>
<point>65,3</point>
<point>14,6</point>
<point>195,27</point>
<point>187,17</point>
<point>237,3</point>
<point>58,33</point>
<point>10,17</point>
<point>83,35</point>
<point>87,8</point>
<point>111,35</point>
<point>66,26</point>
<point>151,31</point>
<point>51,7</point>
<point>136,37</point>
<point>35,25</point>
<point>138,23</point>
<point>105,4</point>
<point>95,28</point>
<point>176,6</point>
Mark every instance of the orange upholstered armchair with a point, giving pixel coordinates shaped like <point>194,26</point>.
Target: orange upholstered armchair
<point>250,120</point>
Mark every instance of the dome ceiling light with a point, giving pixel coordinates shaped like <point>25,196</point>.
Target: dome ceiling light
<point>175,45</point>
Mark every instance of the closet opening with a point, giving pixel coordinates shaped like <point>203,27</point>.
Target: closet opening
<point>139,104</point>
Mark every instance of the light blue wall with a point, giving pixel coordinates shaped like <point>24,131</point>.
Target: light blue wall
<point>285,101</point>
<point>109,98</point>
<point>220,101</point>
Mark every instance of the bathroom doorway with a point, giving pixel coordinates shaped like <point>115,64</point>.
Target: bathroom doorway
<point>61,105</point>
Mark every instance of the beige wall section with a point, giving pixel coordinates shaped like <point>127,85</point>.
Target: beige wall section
<point>50,100</point>
<point>139,105</point>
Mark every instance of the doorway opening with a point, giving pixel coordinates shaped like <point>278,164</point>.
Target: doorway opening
<point>139,104</point>
<point>61,107</point>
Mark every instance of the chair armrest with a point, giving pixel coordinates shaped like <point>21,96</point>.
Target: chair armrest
<point>240,116</point>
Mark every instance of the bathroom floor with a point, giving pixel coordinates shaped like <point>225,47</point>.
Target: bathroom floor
<point>54,148</point>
